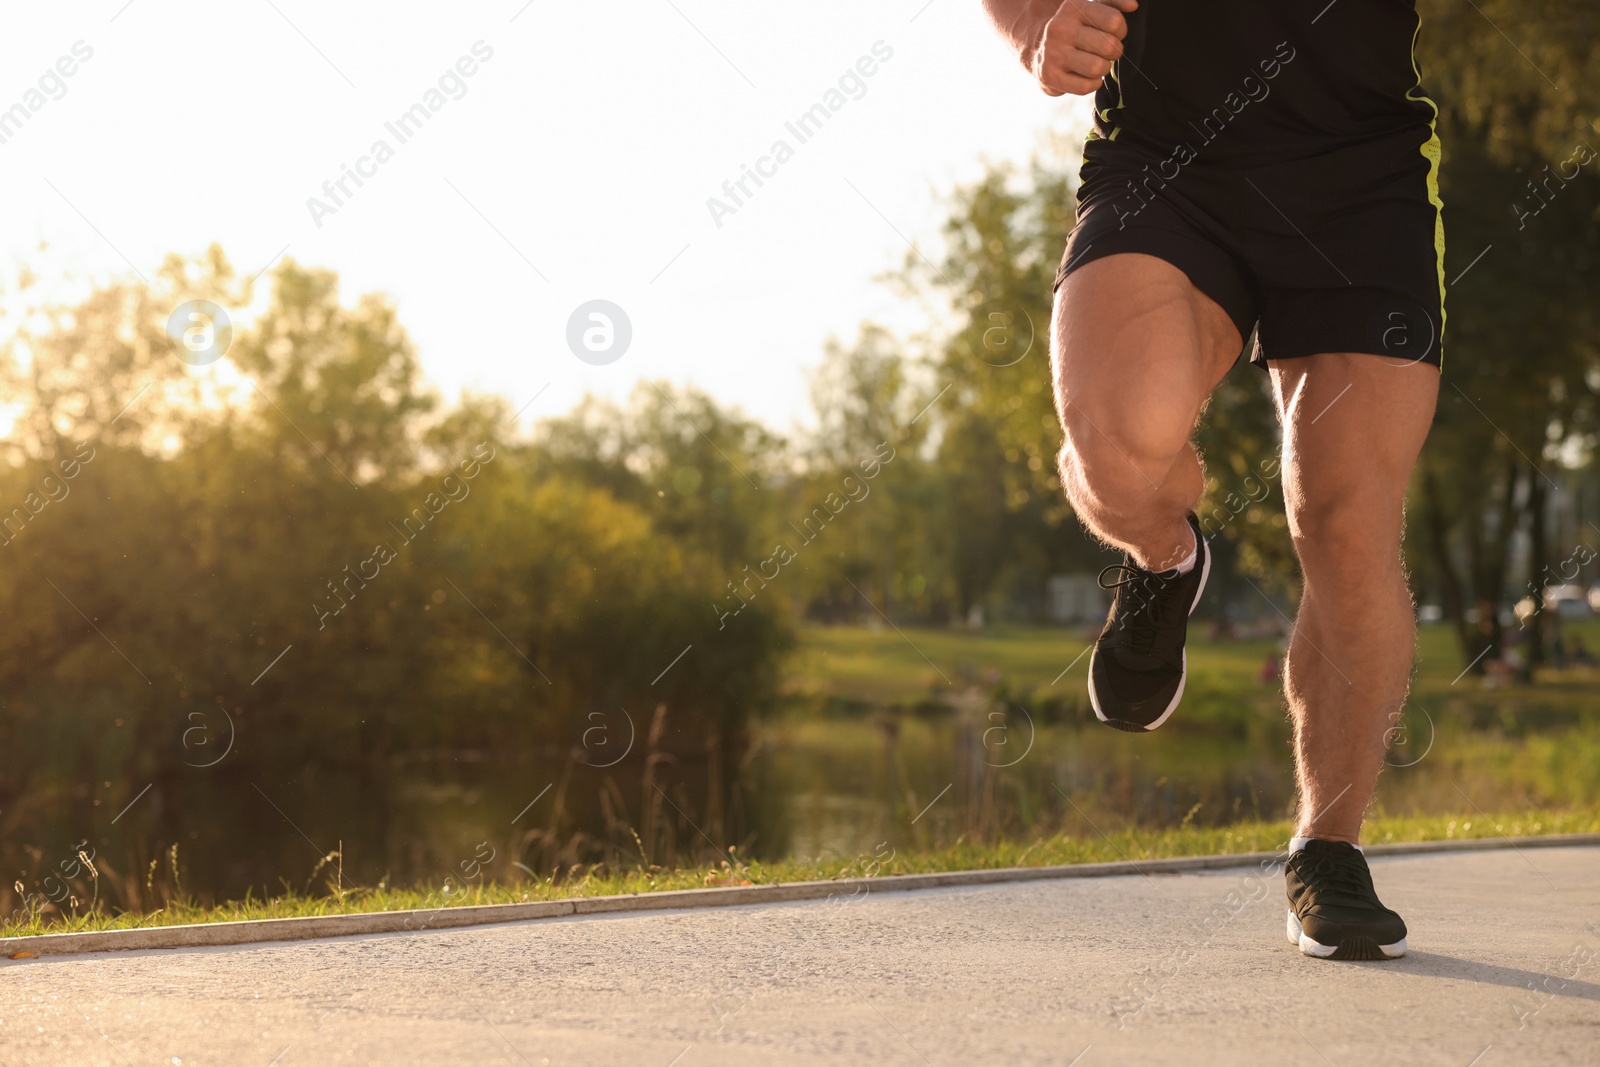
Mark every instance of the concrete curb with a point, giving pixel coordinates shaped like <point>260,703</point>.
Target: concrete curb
<point>257,931</point>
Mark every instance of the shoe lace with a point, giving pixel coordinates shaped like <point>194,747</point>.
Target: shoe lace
<point>1146,619</point>
<point>1341,875</point>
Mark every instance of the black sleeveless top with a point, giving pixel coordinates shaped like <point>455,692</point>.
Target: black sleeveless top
<point>1245,82</point>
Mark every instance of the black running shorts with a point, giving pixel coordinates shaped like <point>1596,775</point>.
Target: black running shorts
<point>1282,154</point>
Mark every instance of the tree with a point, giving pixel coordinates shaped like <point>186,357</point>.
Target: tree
<point>298,560</point>
<point>1521,187</point>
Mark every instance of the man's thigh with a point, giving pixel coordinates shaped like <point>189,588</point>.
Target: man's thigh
<point>1137,349</point>
<point>1353,426</point>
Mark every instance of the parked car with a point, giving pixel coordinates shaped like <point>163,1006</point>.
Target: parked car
<point>1569,601</point>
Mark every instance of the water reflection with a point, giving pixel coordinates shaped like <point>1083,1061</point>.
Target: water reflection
<point>802,786</point>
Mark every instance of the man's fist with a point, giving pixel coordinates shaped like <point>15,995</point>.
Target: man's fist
<point>1079,44</point>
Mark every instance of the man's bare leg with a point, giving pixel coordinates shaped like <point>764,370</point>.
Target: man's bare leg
<point>1136,350</point>
<point>1353,426</point>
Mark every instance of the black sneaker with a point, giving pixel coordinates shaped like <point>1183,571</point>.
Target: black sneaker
<point>1137,670</point>
<point>1334,913</point>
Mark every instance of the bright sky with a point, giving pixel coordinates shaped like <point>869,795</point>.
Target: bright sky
<point>576,165</point>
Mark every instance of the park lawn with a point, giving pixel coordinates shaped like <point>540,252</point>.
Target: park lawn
<point>906,666</point>
<point>914,664</point>
<point>1127,844</point>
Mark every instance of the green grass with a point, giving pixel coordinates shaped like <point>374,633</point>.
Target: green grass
<point>885,667</point>
<point>1129,844</point>
<point>888,667</point>
<point>881,666</point>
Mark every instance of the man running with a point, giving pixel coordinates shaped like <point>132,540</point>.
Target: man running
<point>1265,165</point>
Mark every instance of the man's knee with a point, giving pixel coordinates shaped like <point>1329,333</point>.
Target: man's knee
<point>1117,448</point>
<point>1350,538</point>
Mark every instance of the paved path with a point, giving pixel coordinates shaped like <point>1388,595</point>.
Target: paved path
<point>1175,969</point>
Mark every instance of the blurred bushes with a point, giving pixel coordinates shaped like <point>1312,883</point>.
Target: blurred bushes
<point>289,579</point>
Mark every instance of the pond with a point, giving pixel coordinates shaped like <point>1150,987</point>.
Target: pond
<point>830,779</point>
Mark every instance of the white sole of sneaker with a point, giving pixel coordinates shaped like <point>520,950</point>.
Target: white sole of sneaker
<point>1177,697</point>
<point>1299,939</point>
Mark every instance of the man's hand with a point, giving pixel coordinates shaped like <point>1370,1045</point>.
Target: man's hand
<point>1079,44</point>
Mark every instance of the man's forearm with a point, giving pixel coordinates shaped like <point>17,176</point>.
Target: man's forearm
<point>1021,23</point>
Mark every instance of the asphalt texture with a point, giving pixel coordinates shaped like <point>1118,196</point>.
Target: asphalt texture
<point>1504,968</point>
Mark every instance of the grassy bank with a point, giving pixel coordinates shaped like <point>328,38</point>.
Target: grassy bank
<point>1133,844</point>
<point>903,667</point>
